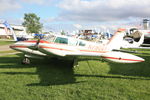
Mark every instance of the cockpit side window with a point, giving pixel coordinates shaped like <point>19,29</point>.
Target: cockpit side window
<point>72,42</point>
<point>61,40</point>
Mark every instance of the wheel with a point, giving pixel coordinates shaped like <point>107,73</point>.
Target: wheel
<point>26,61</point>
<point>75,63</point>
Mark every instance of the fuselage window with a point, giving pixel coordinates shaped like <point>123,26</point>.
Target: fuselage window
<point>61,40</point>
<point>81,43</point>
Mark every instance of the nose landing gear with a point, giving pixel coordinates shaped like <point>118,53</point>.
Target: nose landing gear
<point>26,61</point>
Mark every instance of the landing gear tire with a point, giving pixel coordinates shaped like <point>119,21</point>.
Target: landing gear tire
<point>26,61</point>
<point>75,63</point>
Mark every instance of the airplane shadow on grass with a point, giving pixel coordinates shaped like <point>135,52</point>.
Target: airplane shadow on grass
<point>50,72</point>
<point>54,72</point>
<point>138,69</point>
<point>141,69</point>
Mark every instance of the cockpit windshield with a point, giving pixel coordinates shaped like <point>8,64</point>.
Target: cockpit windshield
<point>50,38</point>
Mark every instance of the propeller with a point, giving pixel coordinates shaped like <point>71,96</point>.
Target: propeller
<point>37,44</point>
<point>35,47</point>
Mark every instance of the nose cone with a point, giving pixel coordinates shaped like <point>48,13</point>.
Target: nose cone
<point>12,46</point>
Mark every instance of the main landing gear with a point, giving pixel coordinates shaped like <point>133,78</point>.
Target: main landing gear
<point>26,61</point>
<point>74,63</point>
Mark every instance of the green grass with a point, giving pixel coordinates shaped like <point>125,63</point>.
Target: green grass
<point>55,80</point>
<point>6,52</point>
<point>2,42</point>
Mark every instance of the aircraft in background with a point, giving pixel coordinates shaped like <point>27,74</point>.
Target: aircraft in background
<point>7,26</point>
<point>68,48</point>
<point>131,43</point>
<point>141,36</point>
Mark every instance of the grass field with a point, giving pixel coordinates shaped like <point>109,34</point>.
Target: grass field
<point>92,80</point>
<point>2,42</point>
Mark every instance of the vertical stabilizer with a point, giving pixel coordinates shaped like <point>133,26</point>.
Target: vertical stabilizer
<point>116,41</point>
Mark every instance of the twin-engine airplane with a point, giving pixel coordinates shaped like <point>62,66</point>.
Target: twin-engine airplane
<point>63,47</point>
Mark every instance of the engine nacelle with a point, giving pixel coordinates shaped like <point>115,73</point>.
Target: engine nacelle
<point>121,57</point>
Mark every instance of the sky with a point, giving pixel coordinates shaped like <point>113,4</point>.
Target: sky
<point>73,14</point>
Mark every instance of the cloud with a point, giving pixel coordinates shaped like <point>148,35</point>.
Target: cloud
<point>40,2</point>
<point>11,5</point>
<point>48,20</point>
<point>7,5</point>
<point>103,10</point>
